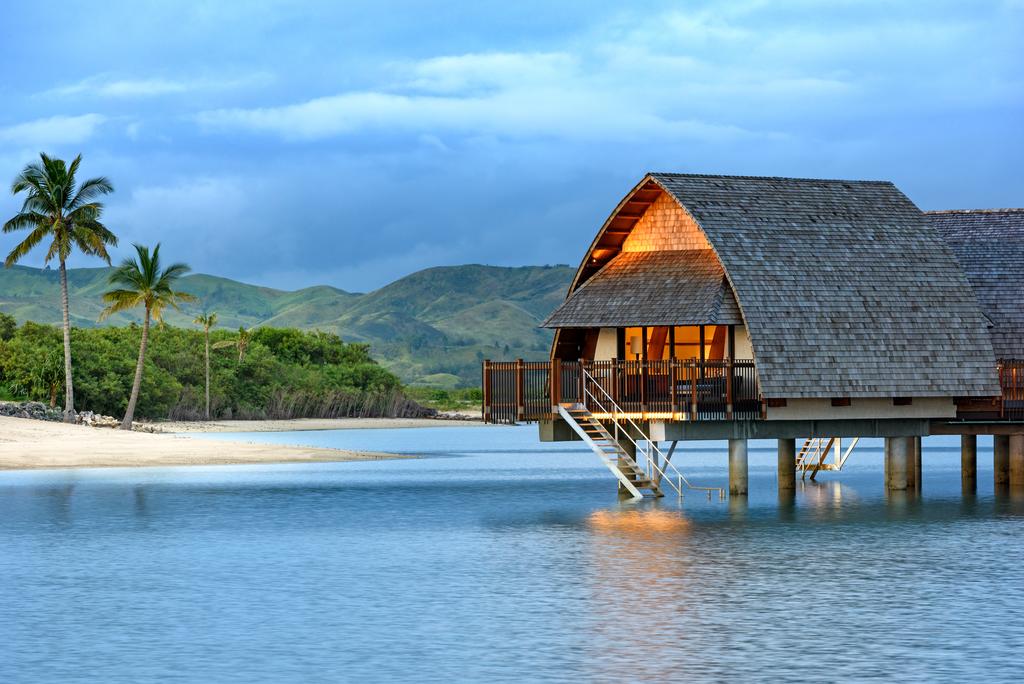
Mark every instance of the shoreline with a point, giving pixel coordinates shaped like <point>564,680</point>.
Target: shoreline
<point>27,444</point>
<point>182,427</point>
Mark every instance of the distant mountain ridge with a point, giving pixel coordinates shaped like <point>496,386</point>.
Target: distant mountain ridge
<point>431,327</point>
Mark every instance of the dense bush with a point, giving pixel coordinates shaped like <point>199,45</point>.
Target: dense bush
<point>285,373</point>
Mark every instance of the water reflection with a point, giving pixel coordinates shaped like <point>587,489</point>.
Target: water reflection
<point>512,565</point>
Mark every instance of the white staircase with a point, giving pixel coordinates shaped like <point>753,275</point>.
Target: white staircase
<point>823,453</point>
<point>632,477</point>
<point>606,439</point>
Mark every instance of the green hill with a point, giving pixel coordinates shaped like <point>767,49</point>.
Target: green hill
<point>432,327</point>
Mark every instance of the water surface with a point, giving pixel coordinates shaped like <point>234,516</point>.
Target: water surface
<point>496,558</point>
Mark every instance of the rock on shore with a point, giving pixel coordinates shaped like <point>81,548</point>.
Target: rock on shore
<point>35,410</point>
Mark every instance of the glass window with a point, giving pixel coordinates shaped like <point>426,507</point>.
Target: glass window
<point>658,347</point>
<point>687,342</point>
<point>716,339</point>
<point>634,342</point>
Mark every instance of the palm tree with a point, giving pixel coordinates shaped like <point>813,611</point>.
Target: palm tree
<point>68,214</point>
<point>140,281</point>
<point>241,344</point>
<point>207,320</point>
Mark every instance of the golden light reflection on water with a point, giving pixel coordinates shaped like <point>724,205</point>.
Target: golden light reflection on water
<point>634,522</point>
<point>639,562</point>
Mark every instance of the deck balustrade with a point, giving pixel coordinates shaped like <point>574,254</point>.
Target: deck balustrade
<point>1011,379</point>
<point>521,391</point>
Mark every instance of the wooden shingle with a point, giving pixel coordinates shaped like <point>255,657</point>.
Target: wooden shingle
<point>989,244</point>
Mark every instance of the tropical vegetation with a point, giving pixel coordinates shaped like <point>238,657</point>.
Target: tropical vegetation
<point>207,320</point>
<point>141,281</point>
<point>286,373</point>
<point>59,210</point>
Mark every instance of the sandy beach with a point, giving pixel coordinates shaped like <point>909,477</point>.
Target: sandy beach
<point>33,444</point>
<point>301,424</point>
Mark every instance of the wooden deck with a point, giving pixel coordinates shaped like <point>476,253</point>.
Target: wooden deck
<point>677,390</point>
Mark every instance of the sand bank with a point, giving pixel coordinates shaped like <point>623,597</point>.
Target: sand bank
<point>308,424</point>
<point>39,444</point>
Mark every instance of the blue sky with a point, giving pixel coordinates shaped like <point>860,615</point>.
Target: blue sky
<point>297,143</point>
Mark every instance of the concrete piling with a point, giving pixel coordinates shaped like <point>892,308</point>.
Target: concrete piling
<point>738,474</point>
<point>1016,458</point>
<point>913,475</point>
<point>969,463</point>
<point>787,464</point>
<point>897,455</point>
<point>1001,460</point>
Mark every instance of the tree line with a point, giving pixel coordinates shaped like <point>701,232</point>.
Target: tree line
<point>277,373</point>
<point>283,373</point>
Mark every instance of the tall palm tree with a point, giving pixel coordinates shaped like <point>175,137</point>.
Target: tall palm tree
<point>207,320</point>
<point>241,343</point>
<point>139,281</point>
<point>59,209</point>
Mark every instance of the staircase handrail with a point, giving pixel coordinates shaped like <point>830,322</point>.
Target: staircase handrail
<point>617,410</point>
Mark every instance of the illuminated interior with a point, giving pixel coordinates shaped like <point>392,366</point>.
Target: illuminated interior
<point>659,343</point>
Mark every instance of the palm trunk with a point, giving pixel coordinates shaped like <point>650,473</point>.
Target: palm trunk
<point>126,424</point>
<point>207,374</point>
<point>69,389</point>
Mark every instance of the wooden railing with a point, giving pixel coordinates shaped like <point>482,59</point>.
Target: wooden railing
<point>520,391</point>
<point>1011,379</point>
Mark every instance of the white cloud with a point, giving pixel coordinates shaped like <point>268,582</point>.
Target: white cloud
<point>453,74</point>
<point>55,130</point>
<point>506,95</point>
<point>106,86</point>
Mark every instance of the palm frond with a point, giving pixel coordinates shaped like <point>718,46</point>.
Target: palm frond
<point>24,219</point>
<point>22,249</point>
<point>90,190</point>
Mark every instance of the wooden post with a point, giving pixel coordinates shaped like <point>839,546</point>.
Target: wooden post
<point>672,387</point>
<point>582,389</point>
<point>693,391</point>
<point>487,391</point>
<point>728,389</point>
<point>520,409</point>
<point>555,381</point>
<point>643,387</point>
<point>616,394</point>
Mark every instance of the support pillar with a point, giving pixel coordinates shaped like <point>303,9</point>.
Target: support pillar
<point>787,464</point>
<point>738,467</point>
<point>969,463</point>
<point>630,450</point>
<point>1017,460</point>
<point>1001,460</point>
<point>913,464</point>
<point>912,472</point>
<point>897,454</point>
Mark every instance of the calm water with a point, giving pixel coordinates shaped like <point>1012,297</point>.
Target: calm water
<point>497,558</point>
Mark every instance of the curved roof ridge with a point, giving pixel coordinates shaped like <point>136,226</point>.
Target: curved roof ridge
<point>672,174</point>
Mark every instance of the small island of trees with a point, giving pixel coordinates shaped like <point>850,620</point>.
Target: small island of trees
<point>161,371</point>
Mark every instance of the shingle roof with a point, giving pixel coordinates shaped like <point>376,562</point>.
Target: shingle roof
<point>845,288</point>
<point>652,288</point>
<point>989,244</point>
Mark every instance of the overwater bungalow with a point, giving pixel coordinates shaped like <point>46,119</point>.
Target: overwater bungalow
<point>728,307</point>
